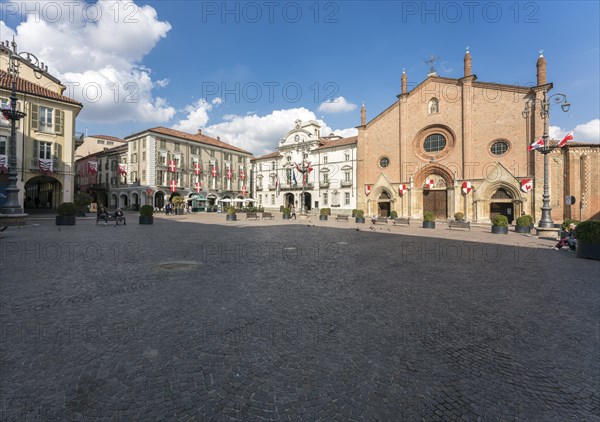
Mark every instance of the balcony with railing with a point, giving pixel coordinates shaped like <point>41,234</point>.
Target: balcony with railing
<point>346,183</point>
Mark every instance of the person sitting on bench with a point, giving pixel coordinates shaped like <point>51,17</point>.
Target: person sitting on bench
<point>103,215</point>
<point>120,217</point>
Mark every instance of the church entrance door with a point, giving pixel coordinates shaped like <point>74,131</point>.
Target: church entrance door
<point>436,202</point>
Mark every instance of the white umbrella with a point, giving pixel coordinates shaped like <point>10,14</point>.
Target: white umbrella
<point>250,200</point>
<point>237,200</point>
<point>225,200</point>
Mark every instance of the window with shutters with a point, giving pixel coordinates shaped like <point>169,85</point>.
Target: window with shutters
<point>347,198</point>
<point>44,150</point>
<point>46,119</point>
<point>159,177</point>
<point>325,198</point>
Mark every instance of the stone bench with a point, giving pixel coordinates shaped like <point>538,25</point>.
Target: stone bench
<point>267,215</point>
<point>251,215</point>
<point>341,217</point>
<point>459,224</point>
<point>405,221</point>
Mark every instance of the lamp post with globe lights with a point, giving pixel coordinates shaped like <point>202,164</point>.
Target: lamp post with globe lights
<point>544,109</point>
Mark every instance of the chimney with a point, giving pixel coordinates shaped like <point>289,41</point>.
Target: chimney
<point>541,69</point>
<point>199,132</point>
<point>218,138</point>
<point>403,81</point>
<point>363,115</point>
<point>468,71</point>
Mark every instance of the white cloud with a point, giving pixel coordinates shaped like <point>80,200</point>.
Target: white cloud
<point>197,117</point>
<point>336,105</point>
<point>261,134</point>
<point>586,132</point>
<point>84,46</point>
<point>217,101</point>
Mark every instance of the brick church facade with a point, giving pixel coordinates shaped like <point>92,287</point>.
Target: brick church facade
<point>427,149</point>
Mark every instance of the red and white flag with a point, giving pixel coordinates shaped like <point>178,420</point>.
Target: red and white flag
<point>45,165</point>
<point>122,169</point>
<point>467,188</point>
<point>277,184</point>
<point>429,183</point>
<point>537,144</point>
<point>367,189</point>
<point>197,168</point>
<point>526,185</point>
<point>402,189</point>
<point>173,185</point>
<point>242,174</point>
<point>172,166</point>
<point>229,173</point>
<point>92,167</point>
<point>3,164</point>
<point>214,170</point>
<point>566,139</point>
<point>244,190</point>
<point>198,186</point>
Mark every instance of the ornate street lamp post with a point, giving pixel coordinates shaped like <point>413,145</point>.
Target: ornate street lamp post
<point>12,206</point>
<point>545,103</point>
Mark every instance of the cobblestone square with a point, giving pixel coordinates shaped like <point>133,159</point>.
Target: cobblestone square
<point>300,322</point>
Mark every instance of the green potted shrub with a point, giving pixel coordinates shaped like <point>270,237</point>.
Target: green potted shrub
<point>459,216</point>
<point>393,215</point>
<point>287,212</point>
<point>146,214</point>
<point>354,213</point>
<point>82,200</point>
<point>500,224</point>
<point>523,224</point>
<point>281,208</point>
<point>530,218</point>
<point>323,213</point>
<point>178,202</point>
<point>66,214</point>
<point>231,214</point>
<point>359,216</point>
<point>588,239</point>
<point>428,220</point>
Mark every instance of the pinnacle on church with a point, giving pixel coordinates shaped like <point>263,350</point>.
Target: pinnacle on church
<point>541,69</point>
<point>403,81</point>
<point>467,60</point>
<point>363,115</point>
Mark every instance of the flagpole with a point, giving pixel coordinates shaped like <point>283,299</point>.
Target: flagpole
<point>546,219</point>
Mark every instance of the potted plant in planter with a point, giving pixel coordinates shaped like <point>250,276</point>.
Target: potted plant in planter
<point>459,216</point>
<point>324,213</point>
<point>393,215</point>
<point>523,224</point>
<point>359,216</point>
<point>178,202</point>
<point>66,214</point>
<point>530,218</point>
<point>231,214</point>
<point>146,214</point>
<point>588,239</point>
<point>428,220</point>
<point>82,200</point>
<point>500,224</point>
<point>287,213</point>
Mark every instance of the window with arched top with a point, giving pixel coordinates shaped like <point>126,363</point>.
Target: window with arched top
<point>434,106</point>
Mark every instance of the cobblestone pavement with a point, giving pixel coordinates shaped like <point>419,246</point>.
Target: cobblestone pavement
<point>299,321</point>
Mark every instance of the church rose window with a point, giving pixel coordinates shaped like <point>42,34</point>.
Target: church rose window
<point>434,143</point>
<point>499,147</point>
<point>384,162</point>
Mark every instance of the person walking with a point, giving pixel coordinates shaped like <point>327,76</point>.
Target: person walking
<point>293,212</point>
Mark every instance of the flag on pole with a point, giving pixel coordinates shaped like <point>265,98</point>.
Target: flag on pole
<point>566,139</point>
<point>402,189</point>
<point>277,185</point>
<point>537,144</point>
<point>122,169</point>
<point>526,185</point>
<point>45,165</point>
<point>294,178</point>
<point>367,190</point>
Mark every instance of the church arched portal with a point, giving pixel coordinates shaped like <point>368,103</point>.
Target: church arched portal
<point>384,204</point>
<point>501,203</point>
<point>436,201</point>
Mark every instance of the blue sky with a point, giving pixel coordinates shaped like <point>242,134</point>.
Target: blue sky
<point>245,71</point>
